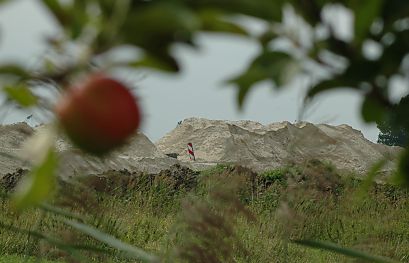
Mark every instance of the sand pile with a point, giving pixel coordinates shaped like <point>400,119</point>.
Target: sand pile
<point>11,139</point>
<point>139,155</point>
<point>263,147</point>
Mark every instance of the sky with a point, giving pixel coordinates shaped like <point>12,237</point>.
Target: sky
<point>198,91</point>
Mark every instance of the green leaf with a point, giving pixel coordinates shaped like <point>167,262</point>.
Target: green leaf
<point>366,11</point>
<point>344,251</point>
<point>159,24</point>
<point>78,18</point>
<point>309,9</point>
<point>270,65</point>
<point>58,11</point>
<point>38,185</point>
<point>330,84</point>
<point>264,9</point>
<point>14,70</point>
<point>21,95</point>
<point>73,17</point>
<point>394,10</point>
<point>369,179</point>
<point>267,37</point>
<point>372,110</point>
<point>359,71</point>
<point>402,175</point>
<point>164,63</point>
<point>214,21</point>
<point>58,211</point>
<point>131,251</point>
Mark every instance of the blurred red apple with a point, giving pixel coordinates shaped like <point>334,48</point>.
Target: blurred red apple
<point>98,114</point>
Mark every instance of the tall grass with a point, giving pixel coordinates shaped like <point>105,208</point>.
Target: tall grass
<point>228,214</point>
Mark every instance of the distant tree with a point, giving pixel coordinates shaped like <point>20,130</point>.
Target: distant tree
<point>392,136</point>
<point>391,131</point>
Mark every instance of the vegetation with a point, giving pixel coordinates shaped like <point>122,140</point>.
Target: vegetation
<point>390,131</point>
<point>258,216</point>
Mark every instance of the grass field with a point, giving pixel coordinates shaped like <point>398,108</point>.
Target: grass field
<point>228,214</point>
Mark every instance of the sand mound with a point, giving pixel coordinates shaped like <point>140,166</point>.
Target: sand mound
<point>139,155</point>
<point>11,138</point>
<point>263,147</point>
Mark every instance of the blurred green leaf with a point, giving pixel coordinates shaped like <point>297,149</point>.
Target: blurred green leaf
<point>394,10</point>
<point>366,11</point>
<point>164,63</point>
<point>215,22</point>
<point>329,84</point>
<point>359,70</point>
<point>38,185</point>
<point>14,70</point>
<point>270,65</point>
<point>369,179</point>
<point>267,37</point>
<point>401,176</point>
<point>393,55</point>
<point>72,17</point>
<point>131,251</point>
<point>372,110</point>
<point>79,18</point>
<point>22,95</point>
<point>58,211</point>
<point>59,11</point>
<point>344,251</point>
<point>264,9</point>
<point>310,9</point>
<point>156,26</point>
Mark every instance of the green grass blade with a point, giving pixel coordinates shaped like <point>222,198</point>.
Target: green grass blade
<point>51,240</point>
<point>370,178</point>
<point>131,251</point>
<point>38,185</point>
<point>58,211</point>
<point>58,243</point>
<point>342,250</point>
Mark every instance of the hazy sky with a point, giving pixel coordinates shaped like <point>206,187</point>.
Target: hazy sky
<point>197,92</point>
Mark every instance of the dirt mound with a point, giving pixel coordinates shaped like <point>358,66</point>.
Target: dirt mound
<point>10,180</point>
<point>263,147</point>
<point>175,178</point>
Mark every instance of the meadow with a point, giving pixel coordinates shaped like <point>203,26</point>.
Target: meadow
<point>225,214</point>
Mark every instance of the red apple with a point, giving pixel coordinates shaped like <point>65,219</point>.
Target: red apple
<point>99,114</point>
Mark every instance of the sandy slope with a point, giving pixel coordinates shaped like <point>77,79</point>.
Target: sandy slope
<point>263,147</point>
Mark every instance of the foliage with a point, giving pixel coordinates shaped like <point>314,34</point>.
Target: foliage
<point>390,131</point>
<point>276,175</point>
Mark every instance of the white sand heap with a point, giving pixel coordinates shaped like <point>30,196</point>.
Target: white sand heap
<point>11,139</point>
<point>263,147</point>
<point>140,154</point>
